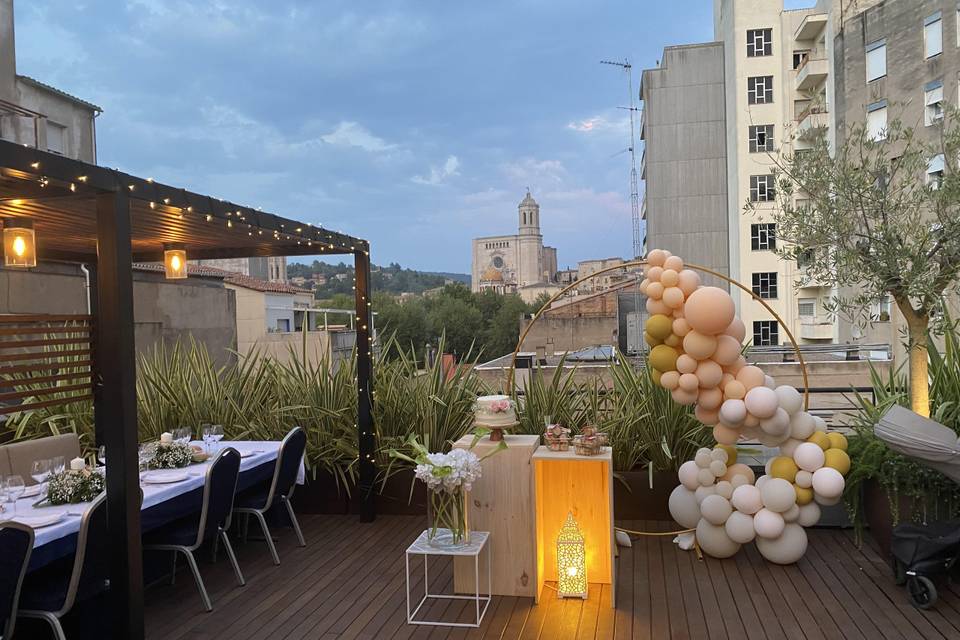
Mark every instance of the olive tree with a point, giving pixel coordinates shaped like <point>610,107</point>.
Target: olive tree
<point>876,218</point>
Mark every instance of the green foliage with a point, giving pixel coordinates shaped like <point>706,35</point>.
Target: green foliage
<point>391,278</point>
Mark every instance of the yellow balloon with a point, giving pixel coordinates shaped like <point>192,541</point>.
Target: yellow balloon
<point>672,341</point>
<point>837,440</point>
<point>731,453</point>
<point>650,340</point>
<point>663,358</point>
<point>656,376</point>
<point>804,496</point>
<point>837,459</point>
<point>660,326</point>
<point>820,439</point>
<point>784,467</point>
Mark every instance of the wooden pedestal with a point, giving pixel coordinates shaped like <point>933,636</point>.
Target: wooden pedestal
<point>582,485</point>
<point>501,502</point>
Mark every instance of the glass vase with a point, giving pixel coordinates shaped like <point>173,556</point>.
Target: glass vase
<point>449,526</point>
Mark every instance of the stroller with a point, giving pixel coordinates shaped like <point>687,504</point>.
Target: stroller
<point>920,551</point>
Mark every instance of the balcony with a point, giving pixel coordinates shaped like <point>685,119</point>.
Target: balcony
<point>811,26</point>
<point>816,328</point>
<point>810,122</point>
<point>812,73</point>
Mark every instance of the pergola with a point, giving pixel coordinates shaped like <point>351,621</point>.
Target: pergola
<point>107,219</point>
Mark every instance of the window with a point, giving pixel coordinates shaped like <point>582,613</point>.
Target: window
<point>761,138</point>
<point>805,258</point>
<point>935,167</point>
<point>761,188</point>
<point>799,57</point>
<point>877,120</point>
<point>763,236</point>
<point>759,42</point>
<point>760,89</point>
<point>880,310</point>
<point>498,262</point>
<point>933,36</point>
<point>56,138</point>
<point>807,307</point>
<point>765,333</point>
<point>876,60</point>
<point>283,324</point>
<point>933,103</point>
<point>765,284</point>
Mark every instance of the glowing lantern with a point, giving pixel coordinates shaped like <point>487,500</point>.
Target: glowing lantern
<point>19,243</point>
<point>571,561</point>
<point>174,261</point>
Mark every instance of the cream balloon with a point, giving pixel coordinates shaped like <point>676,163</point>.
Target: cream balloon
<point>733,412</point>
<point>714,541</point>
<point>791,514</point>
<point>687,474</point>
<point>705,477</point>
<point>790,399</point>
<point>769,382</point>
<point>715,509</point>
<point>809,515</point>
<point>704,491</point>
<point>702,457</point>
<point>739,469</point>
<point>768,524</point>
<point>739,528</point>
<point>787,548</point>
<point>778,495</point>
<point>761,402</point>
<point>747,499</point>
<point>802,425</point>
<point>709,310</point>
<point>683,507</point>
<point>828,483</point>
<point>788,446</point>
<point>809,457</point>
<point>804,479</point>
<point>718,468</point>
<point>724,489</point>
<point>776,425</point>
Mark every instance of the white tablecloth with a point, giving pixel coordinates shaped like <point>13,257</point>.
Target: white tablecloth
<point>153,494</point>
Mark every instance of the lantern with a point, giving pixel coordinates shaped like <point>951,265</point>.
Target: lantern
<point>571,561</point>
<point>19,243</point>
<point>174,261</point>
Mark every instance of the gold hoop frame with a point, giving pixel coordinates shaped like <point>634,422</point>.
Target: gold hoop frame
<point>641,263</point>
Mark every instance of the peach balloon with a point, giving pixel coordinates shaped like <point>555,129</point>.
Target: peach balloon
<point>657,257</point>
<point>688,281</point>
<point>727,352</point>
<point>762,402</point>
<point>686,364</point>
<point>643,286</point>
<point>733,412</point>
<point>734,390</point>
<point>708,417</point>
<point>681,327</point>
<point>682,396</point>
<point>657,307</point>
<point>751,421</point>
<point>726,379</point>
<point>739,469</point>
<point>673,262</point>
<point>751,377</point>
<point>736,329</point>
<point>670,380</point>
<point>673,297</point>
<point>735,368</point>
<point>698,345</point>
<point>709,310</point>
<point>689,382</point>
<point>709,373</point>
<point>709,398</point>
<point>725,435</point>
<point>669,277</point>
<point>655,290</point>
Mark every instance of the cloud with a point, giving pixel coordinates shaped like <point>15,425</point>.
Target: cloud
<point>600,123</point>
<point>439,174</point>
<point>351,134</point>
<point>530,172</point>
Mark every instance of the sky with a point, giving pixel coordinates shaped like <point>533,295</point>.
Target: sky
<point>417,125</point>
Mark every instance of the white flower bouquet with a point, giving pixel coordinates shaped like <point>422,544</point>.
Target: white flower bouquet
<point>74,486</point>
<point>169,455</point>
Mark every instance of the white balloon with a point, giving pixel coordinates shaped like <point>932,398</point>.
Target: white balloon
<point>802,425</point>
<point>747,499</point>
<point>761,402</point>
<point>714,540</point>
<point>705,477</point>
<point>809,514</point>
<point>739,480</point>
<point>826,502</point>
<point>762,480</point>
<point>702,492</point>
<point>778,424</point>
<point>809,456</point>
<point>804,479</point>
<point>768,440</point>
<point>684,508</point>
<point>725,489</point>
<point>718,468</point>
<point>703,458</point>
<point>688,475</point>
<point>766,466</point>
<point>768,524</point>
<point>720,454</point>
<point>828,483</point>
<point>715,509</point>
<point>819,424</point>
<point>787,548</point>
<point>790,399</point>
<point>789,446</point>
<point>778,495</point>
<point>733,412</point>
<point>791,514</point>
<point>739,527</point>
<point>769,382</point>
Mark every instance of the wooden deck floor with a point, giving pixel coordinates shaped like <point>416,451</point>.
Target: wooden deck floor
<point>349,583</point>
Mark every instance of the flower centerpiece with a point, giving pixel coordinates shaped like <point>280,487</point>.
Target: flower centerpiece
<point>449,478</point>
<point>77,484</point>
<point>169,454</point>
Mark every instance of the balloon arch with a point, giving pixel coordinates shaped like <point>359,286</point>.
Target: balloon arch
<point>696,345</point>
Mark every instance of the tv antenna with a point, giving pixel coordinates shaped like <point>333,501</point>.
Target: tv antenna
<point>634,189</point>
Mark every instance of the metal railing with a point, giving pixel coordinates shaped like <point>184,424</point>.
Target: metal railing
<point>9,108</point>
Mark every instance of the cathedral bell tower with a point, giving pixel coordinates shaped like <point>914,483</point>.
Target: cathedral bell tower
<point>529,216</point>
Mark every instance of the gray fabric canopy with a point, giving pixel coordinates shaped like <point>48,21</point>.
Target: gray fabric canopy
<point>922,439</point>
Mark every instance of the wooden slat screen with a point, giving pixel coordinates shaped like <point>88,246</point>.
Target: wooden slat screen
<point>45,361</point>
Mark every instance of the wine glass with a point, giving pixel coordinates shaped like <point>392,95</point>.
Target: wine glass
<point>182,434</point>
<point>57,464</point>
<point>40,471</point>
<point>143,457</point>
<point>216,434</point>
<point>207,431</point>
<point>102,454</point>
<point>15,488</point>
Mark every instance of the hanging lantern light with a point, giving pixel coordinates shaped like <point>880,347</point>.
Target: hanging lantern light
<point>19,243</point>
<point>174,261</point>
<point>571,561</point>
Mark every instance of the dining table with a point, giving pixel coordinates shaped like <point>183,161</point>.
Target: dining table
<point>168,494</point>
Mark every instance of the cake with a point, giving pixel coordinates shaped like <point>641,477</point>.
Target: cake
<point>494,412</point>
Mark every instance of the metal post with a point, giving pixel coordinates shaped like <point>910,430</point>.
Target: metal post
<point>115,412</point>
<point>367,439</point>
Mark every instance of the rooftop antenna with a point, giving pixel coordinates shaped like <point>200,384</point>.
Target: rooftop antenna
<point>634,189</point>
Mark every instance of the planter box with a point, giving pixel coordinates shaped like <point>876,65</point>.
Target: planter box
<point>393,497</point>
<point>322,495</point>
<point>876,512</point>
<point>633,499</point>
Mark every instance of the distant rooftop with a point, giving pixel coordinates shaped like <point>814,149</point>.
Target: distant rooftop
<point>63,94</point>
<point>229,277</point>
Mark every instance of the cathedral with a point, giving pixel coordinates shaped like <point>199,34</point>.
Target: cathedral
<point>519,263</point>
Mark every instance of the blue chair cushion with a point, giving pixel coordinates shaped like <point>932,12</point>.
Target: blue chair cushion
<point>46,589</point>
<point>182,532</point>
<point>255,497</point>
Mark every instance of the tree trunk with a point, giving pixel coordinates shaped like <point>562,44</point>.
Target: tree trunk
<point>919,379</point>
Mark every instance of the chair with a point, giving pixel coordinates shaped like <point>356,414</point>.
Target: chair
<point>16,543</point>
<point>188,534</point>
<point>20,455</point>
<point>50,593</point>
<point>259,500</point>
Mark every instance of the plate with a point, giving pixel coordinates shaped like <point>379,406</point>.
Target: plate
<point>250,453</point>
<point>38,522</point>
<point>31,491</point>
<point>164,478</point>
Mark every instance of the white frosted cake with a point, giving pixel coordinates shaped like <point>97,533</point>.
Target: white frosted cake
<point>494,412</point>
